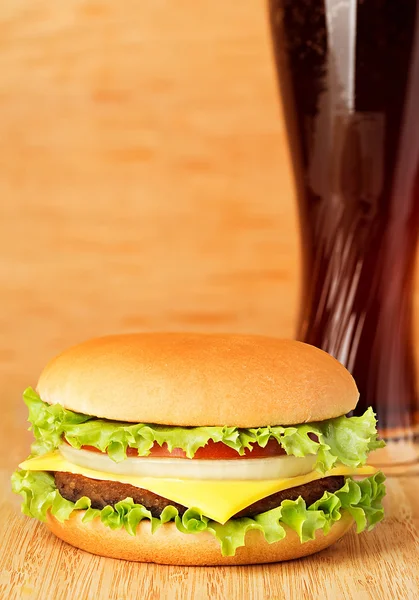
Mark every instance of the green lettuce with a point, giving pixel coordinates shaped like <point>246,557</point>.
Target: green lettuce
<point>347,440</point>
<point>362,499</point>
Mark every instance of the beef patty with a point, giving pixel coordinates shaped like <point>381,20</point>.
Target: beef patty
<point>104,493</point>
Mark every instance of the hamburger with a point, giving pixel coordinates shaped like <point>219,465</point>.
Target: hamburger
<point>194,449</point>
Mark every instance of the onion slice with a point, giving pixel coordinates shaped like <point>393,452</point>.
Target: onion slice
<point>254,469</point>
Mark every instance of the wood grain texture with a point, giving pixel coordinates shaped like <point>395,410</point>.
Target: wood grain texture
<point>145,184</point>
<point>144,175</point>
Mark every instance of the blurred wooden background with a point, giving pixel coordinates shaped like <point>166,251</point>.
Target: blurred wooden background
<point>144,176</point>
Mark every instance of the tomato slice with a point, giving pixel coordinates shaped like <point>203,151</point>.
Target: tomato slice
<point>212,451</point>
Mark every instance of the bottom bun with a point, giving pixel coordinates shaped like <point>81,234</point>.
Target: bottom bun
<point>171,547</point>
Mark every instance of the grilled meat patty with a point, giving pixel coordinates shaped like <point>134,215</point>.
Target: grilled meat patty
<point>103,493</point>
<point>310,492</point>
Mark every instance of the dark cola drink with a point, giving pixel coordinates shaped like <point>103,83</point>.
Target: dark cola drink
<point>349,80</point>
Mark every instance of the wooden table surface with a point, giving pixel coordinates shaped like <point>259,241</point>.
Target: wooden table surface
<point>145,184</point>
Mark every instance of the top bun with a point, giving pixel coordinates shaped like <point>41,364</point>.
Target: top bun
<point>198,379</point>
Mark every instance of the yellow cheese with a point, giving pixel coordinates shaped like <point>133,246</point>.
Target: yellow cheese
<point>218,500</point>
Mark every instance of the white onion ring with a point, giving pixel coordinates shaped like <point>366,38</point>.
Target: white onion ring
<point>253,469</point>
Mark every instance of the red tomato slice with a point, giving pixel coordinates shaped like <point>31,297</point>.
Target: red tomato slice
<point>212,451</point>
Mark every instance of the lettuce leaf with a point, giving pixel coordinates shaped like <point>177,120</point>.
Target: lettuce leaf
<point>344,439</point>
<point>362,499</point>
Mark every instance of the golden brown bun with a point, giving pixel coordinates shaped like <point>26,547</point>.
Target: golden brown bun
<point>197,379</point>
<point>169,546</point>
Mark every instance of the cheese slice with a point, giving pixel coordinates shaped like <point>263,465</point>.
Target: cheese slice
<point>218,500</point>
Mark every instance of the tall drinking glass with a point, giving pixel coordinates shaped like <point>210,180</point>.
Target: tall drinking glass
<point>349,80</point>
